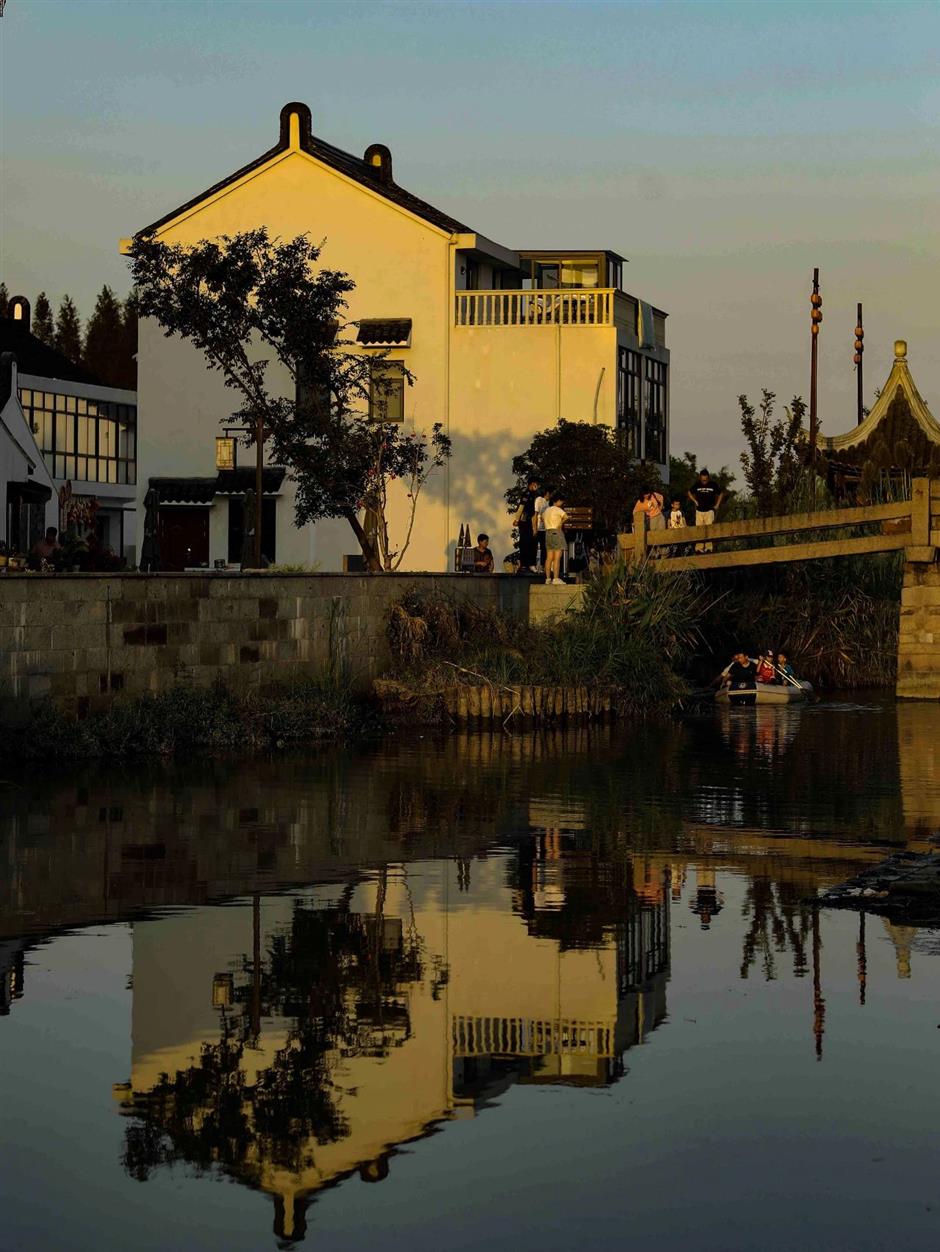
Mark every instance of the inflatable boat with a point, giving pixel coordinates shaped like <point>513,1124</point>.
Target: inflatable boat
<point>765,693</point>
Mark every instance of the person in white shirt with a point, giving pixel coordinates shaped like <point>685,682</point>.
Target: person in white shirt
<point>554,518</point>
<point>541,504</point>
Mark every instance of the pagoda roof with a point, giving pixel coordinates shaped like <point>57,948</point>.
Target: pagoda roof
<point>899,383</point>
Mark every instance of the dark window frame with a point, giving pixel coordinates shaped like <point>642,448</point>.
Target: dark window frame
<point>629,395</point>
<point>389,406</point>
<point>51,412</point>
<point>655,384</point>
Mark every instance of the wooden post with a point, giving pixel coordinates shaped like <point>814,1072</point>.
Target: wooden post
<point>639,537</point>
<point>259,489</point>
<point>920,548</point>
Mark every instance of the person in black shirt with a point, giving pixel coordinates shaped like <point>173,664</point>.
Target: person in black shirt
<point>527,521</point>
<point>708,499</point>
<point>482,556</point>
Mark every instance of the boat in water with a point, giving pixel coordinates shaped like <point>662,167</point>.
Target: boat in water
<point>765,693</point>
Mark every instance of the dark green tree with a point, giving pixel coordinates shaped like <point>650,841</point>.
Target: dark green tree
<point>228,295</point>
<point>103,339</point>
<point>590,465</point>
<point>127,353</point>
<point>772,463</point>
<point>4,300</point>
<point>68,330</point>
<point>43,323</point>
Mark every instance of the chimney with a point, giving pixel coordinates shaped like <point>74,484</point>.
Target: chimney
<point>380,159</point>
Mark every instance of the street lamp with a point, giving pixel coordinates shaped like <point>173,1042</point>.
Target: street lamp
<point>226,456</point>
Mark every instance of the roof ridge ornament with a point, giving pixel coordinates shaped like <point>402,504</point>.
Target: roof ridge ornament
<point>900,349</point>
<point>296,126</point>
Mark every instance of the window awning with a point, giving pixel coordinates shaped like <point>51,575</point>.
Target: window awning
<point>28,493</point>
<point>384,332</point>
<point>234,482</point>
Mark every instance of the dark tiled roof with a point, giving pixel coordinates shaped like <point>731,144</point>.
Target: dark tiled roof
<point>354,167</point>
<point>388,330</point>
<point>35,357</point>
<point>225,483</point>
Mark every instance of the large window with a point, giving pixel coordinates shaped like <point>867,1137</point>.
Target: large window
<point>387,392</point>
<point>654,407</point>
<point>628,400</point>
<point>84,440</point>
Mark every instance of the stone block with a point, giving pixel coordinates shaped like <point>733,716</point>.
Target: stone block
<point>78,635</point>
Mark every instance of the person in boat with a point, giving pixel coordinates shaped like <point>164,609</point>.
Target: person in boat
<point>784,669</point>
<point>741,674</point>
<point>766,670</point>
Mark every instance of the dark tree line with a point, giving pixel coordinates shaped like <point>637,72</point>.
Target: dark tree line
<point>105,346</point>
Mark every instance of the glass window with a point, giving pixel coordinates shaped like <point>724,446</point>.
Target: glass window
<point>387,391</point>
<point>628,400</point>
<point>579,273</point>
<point>546,276</point>
<point>654,404</point>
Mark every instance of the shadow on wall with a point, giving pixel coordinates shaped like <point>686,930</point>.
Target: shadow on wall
<point>480,471</point>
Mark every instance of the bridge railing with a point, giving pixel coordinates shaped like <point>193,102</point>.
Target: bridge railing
<point>913,525</point>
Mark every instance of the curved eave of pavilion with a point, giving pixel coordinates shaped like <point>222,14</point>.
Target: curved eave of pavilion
<point>899,380</point>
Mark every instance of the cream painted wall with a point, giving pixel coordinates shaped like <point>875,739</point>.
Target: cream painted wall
<point>492,387</point>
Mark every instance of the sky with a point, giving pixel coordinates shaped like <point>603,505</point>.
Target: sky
<point>725,149</point>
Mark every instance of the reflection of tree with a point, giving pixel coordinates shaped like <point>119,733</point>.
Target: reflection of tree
<point>779,920</point>
<point>334,979</point>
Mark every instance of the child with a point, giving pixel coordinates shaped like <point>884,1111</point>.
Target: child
<point>676,518</point>
<point>765,668</point>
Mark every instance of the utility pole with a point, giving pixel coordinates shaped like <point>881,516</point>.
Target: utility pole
<point>859,350</point>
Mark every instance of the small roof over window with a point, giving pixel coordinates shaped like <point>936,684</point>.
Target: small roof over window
<point>384,332</point>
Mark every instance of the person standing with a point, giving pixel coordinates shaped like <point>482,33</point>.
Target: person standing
<point>541,504</point>
<point>527,521</point>
<point>554,517</point>
<point>708,499</point>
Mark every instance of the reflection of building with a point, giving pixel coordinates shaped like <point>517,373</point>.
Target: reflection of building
<point>300,1039</point>
<point>85,433</point>
<point>499,344</point>
<point>11,972</point>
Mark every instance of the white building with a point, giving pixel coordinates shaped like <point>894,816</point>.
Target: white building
<point>28,503</point>
<point>501,344</point>
<point>85,433</point>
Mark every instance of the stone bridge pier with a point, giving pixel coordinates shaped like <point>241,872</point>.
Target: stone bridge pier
<point>919,634</point>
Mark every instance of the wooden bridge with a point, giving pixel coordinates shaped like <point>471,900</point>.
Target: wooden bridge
<point>909,525</point>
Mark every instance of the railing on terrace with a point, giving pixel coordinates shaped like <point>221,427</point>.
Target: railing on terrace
<point>567,307</point>
<point>912,524</point>
<point>526,1036</point>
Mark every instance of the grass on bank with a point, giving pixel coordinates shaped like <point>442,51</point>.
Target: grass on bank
<point>187,718</point>
<point>632,638</point>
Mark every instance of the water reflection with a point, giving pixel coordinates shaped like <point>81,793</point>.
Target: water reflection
<point>332,958</point>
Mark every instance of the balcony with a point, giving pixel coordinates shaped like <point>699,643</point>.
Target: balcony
<point>539,307</point>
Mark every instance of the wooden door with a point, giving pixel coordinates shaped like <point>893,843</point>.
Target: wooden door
<point>183,535</point>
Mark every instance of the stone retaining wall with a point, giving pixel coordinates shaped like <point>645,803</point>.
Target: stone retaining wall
<point>919,636</point>
<point>82,638</point>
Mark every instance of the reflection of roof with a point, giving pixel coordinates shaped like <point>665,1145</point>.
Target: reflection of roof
<point>900,383</point>
<point>37,358</point>
<point>369,175</point>
<point>233,482</point>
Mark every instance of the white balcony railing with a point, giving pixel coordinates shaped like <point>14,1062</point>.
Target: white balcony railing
<point>568,307</point>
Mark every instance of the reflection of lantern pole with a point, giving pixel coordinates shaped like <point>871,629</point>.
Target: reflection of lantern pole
<point>860,947</point>
<point>819,1004</point>
<point>859,349</point>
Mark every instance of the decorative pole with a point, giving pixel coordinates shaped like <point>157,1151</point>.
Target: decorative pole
<point>815,318</point>
<point>859,349</point>
<point>259,488</point>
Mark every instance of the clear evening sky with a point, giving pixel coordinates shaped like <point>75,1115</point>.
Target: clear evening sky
<point>725,149</point>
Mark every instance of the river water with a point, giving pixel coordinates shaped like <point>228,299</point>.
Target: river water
<point>505,992</point>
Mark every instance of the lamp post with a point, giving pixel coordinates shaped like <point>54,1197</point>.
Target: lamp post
<point>815,319</point>
<point>259,486</point>
<point>859,350</point>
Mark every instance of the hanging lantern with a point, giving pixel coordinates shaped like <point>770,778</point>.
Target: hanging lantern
<point>224,452</point>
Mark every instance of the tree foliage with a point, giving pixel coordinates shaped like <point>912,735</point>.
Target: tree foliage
<point>4,300</point>
<point>102,338</point>
<point>245,300</point>
<point>590,465</point>
<point>68,330</point>
<point>43,323</point>
<point>772,463</point>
